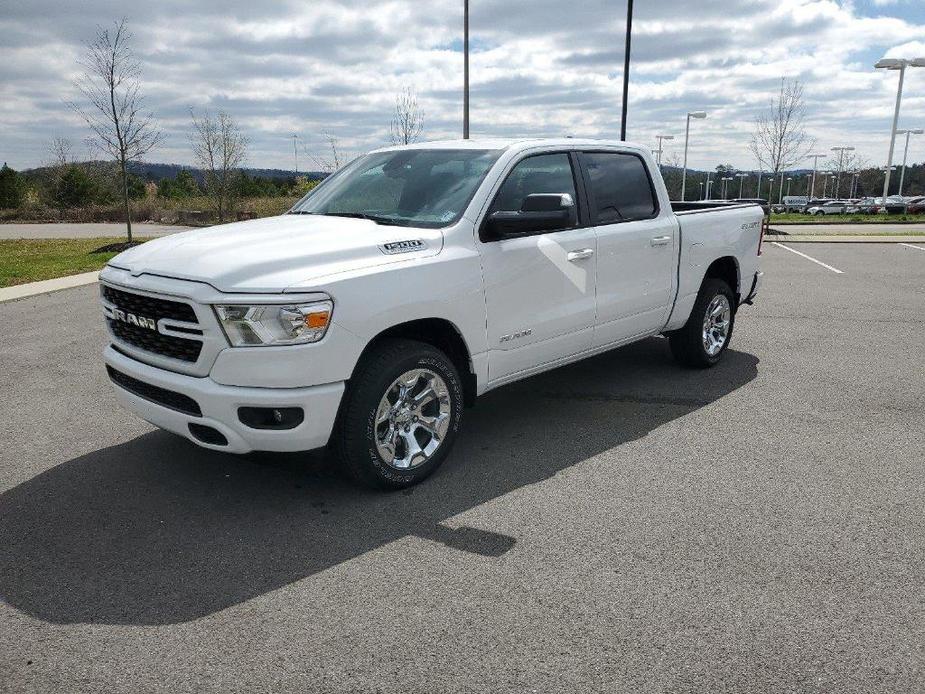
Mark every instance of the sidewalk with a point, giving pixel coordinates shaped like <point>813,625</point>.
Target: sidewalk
<point>21,291</point>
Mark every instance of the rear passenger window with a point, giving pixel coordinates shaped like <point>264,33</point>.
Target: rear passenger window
<point>620,187</point>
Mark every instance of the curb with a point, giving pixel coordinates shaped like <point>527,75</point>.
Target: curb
<point>22,291</point>
<point>843,238</point>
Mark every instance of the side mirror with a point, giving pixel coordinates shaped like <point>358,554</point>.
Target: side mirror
<point>538,212</point>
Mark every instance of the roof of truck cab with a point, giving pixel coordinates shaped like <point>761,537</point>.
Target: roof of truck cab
<point>516,143</point>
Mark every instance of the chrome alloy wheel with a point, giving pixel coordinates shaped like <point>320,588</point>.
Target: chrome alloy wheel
<point>412,419</point>
<point>716,324</point>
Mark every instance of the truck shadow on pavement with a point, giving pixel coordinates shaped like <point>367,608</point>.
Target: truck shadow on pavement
<point>158,531</point>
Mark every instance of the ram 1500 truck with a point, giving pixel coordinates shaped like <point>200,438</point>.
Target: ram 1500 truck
<point>410,282</point>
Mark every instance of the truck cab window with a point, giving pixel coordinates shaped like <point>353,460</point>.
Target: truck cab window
<point>620,189</point>
<point>543,173</point>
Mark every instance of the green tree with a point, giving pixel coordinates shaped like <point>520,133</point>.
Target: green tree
<point>179,188</point>
<point>12,188</point>
<point>75,188</point>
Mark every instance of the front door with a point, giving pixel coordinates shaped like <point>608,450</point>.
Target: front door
<point>539,288</point>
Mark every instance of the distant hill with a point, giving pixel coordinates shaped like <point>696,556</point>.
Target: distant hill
<point>152,171</point>
<point>156,172</point>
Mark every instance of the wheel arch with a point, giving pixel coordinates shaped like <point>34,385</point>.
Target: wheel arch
<point>441,334</point>
<point>726,268</point>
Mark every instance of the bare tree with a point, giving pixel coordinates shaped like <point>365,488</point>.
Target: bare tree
<point>333,159</point>
<point>113,105</point>
<point>59,152</point>
<point>221,149</point>
<point>408,121</point>
<point>780,140</point>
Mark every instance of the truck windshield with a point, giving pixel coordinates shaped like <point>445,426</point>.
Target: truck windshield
<point>407,187</point>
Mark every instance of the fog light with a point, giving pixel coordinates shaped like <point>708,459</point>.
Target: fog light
<point>271,417</point>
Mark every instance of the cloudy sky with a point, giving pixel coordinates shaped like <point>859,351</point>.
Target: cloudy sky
<point>539,67</point>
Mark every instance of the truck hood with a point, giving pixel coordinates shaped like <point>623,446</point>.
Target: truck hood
<point>277,253</point>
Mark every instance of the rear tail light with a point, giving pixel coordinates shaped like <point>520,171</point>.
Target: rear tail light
<point>764,228</point>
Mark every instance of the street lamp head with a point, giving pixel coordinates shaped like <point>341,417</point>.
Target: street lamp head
<point>697,114</point>
<point>890,63</point>
<point>665,137</point>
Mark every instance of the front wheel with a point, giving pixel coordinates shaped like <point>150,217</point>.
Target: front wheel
<point>400,414</point>
<point>706,335</point>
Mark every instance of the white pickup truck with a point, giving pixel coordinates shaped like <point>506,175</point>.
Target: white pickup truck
<point>412,281</point>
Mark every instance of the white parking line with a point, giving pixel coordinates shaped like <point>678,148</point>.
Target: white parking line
<point>909,245</point>
<point>818,262</point>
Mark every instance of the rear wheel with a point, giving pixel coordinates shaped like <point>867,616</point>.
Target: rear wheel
<point>706,335</point>
<point>400,414</point>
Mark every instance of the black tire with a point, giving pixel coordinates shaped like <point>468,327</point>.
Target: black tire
<point>354,438</point>
<point>687,343</point>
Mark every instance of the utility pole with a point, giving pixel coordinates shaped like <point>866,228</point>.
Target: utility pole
<point>465,69</point>
<point>661,147</point>
<point>815,158</point>
<point>907,133</point>
<point>295,152</point>
<point>841,156</point>
<point>626,67</point>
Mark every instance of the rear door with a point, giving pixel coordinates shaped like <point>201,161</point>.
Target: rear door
<point>636,242</point>
<point>539,288</point>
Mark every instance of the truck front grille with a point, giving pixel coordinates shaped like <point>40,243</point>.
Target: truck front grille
<point>148,306</point>
<point>147,339</point>
<point>156,394</point>
<point>165,345</point>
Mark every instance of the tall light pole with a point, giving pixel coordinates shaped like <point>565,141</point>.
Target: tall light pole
<point>895,64</point>
<point>741,176</point>
<point>701,190</point>
<point>726,180</point>
<point>841,163</point>
<point>687,138</point>
<point>659,150</point>
<point>815,158</point>
<point>709,187</point>
<point>907,133</point>
<point>295,152</point>
<point>465,69</point>
<point>789,179</point>
<point>626,66</point>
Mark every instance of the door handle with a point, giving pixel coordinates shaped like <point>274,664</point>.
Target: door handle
<point>580,254</point>
<point>660,240</point>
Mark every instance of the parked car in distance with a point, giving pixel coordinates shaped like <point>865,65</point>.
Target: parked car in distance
<point>870,205</point>
<point>409,283</point>
<point>795,203</point>
<point>831,207</point>
<point>895,204</point>
<point>916,205</point>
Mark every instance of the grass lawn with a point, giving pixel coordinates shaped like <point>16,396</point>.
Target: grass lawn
<point>31,260</point>
<point>794,218</point>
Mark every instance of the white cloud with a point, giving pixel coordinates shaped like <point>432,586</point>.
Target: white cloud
<point>307,67</point>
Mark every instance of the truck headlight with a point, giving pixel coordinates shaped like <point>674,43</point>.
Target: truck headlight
<point>274,324</point>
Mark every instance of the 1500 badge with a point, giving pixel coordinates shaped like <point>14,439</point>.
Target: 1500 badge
<point>407,246</point>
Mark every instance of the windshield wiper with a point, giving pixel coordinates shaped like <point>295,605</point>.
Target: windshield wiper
<point>301,212</point>
<point>363,215</point>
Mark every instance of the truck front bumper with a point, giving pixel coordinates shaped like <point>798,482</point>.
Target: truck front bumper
<point>152,393</point>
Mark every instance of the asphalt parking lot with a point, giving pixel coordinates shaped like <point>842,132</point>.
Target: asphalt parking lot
<point>618,525</point>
